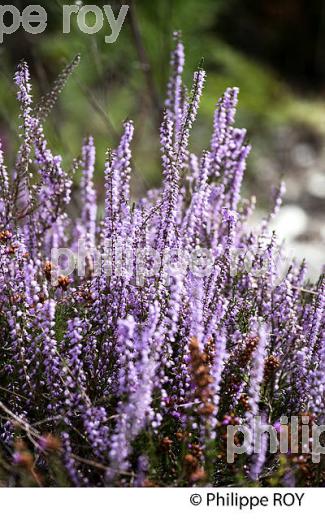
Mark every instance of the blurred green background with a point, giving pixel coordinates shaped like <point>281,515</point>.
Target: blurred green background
<point>273,50</point>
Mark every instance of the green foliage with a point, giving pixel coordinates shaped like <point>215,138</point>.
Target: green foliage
<point>111,82</point>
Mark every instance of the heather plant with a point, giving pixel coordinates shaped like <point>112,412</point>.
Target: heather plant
<point>106,381</point>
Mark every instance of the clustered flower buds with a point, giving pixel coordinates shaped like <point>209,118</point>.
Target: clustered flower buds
<point>48,268</point>
<point>271,365</point>
<point>201,378</point>
<point>63,282</point>
<point>5,236</point>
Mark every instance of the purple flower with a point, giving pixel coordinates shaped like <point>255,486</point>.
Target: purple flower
<point>139,366</point>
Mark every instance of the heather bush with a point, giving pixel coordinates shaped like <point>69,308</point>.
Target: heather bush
<point>129,376</point>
